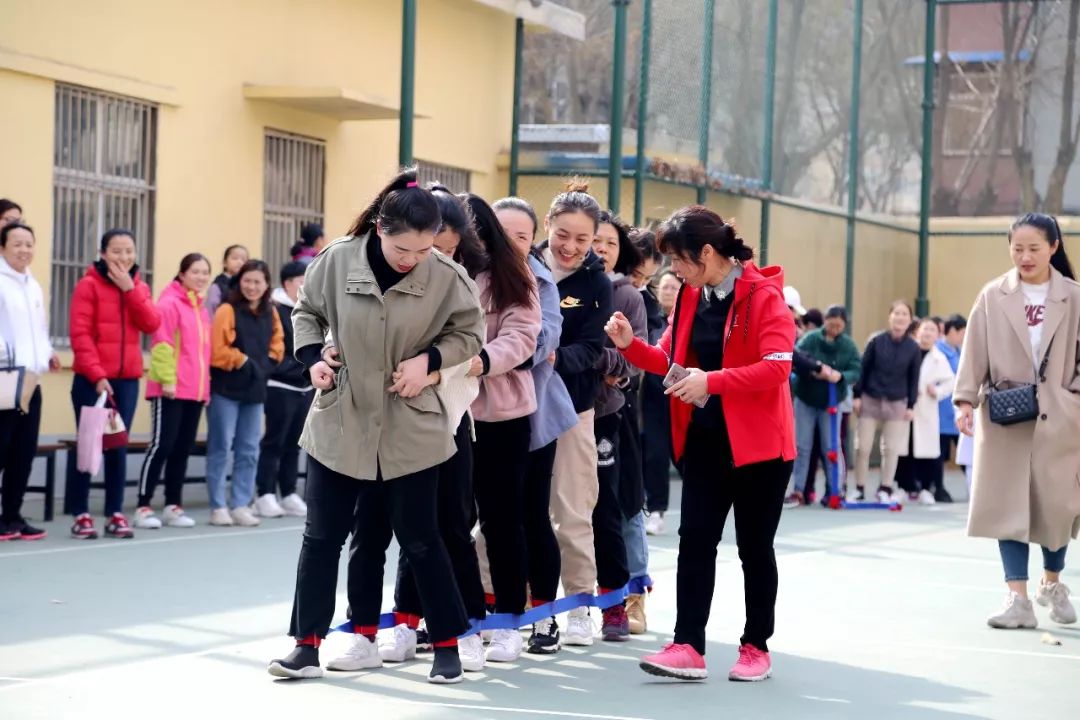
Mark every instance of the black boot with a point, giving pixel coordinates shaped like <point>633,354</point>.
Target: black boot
<point>446,670</point>
<point>301,663</point>
<point>942,495</point>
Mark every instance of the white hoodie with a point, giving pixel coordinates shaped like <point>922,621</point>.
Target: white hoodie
<point>24,329</point>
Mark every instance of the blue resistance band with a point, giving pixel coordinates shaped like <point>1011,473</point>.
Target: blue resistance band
<point>511,621</point>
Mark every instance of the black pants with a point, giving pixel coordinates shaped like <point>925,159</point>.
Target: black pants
<point>817,456</point>
<point>18,445</point>
<point>608,542</point>
<point>174,425</point>
<point>542,547</point>
<point>712,487</point>
<point>77,485</point>
<point>914,474</point>
<point>499,479</point>
<point>373,510</point>
<point>655,443</point>
<point>279,453</point>
<point>457,516</point>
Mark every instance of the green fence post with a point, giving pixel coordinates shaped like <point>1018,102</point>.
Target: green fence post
<point>767,145</point>
<point>642,110</point>
<point>515,121</point>
<point>706,99</point>
<point>922,302</point>
<point>408,82</point>
<point>853,162</point>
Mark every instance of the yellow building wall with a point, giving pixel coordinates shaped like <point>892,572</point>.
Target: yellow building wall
<point>194,58</point>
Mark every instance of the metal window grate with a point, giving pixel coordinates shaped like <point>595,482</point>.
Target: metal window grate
<point>103,177</point>
<point>294,178</point>
<point>456,179</point>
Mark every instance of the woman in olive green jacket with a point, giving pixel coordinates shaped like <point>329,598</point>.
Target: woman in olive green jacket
<point>377,430</point>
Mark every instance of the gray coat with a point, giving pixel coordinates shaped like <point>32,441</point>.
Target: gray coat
<point>625,298</point>
<point>358,427</point>
<point>1026,477</point>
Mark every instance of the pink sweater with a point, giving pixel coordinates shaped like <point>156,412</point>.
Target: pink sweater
<point>507,392</point>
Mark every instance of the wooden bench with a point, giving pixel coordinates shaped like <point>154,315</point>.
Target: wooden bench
<point>47,451</point>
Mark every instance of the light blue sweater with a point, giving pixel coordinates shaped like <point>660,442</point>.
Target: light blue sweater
<point>554,410</point>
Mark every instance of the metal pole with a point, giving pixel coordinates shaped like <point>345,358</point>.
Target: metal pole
<point>767,146</point>
<point>706,99</point>
<point>642,110</point>
<point>408,82</point>
<point>515,122</point>
<point>922,302</point>
<point>853,161</point>
<point>618,86</point>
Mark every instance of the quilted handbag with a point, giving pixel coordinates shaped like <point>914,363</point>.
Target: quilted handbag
<point>1018,404</point>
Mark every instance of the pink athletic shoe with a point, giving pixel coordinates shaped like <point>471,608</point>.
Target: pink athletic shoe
<point>676,661</point>
<point>754,665</point>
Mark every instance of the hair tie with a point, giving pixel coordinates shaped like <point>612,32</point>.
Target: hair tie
<point>411,184</point>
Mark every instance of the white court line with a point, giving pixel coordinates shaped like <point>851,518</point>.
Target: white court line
<point>108,543</point>
<point>517,711</point>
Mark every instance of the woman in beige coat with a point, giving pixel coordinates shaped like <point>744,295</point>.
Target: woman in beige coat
<point>377,430</point>
<point>1024,329</point>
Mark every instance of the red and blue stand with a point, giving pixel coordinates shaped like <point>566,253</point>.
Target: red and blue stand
<point>837,501</point>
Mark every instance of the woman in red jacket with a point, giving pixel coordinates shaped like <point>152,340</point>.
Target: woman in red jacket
<point>110,309</point>
<point>731,428</point>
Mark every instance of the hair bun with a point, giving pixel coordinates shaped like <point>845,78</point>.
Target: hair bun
<point>577,184</point>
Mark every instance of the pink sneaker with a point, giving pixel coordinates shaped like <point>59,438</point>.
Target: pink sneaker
<point>754,665</point>
<point>676,661</point>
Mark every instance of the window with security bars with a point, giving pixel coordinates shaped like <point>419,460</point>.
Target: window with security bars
<point>103,178</point>
<point>456,179</point>
<point>294,178</point>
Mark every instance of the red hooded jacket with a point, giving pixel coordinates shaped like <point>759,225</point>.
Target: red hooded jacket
<point>106,324</point>
<point>753,384</point>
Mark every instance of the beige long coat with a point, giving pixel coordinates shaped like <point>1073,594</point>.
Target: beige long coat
<point>358,427</point>
<point>1026,477</point>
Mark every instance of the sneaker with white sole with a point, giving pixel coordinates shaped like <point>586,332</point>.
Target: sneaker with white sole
<point>1056,596</point>
<point>398,644</point>
<point>175,516</point>
<point>545,638</point>
<point>506,646</point>
<point>294,505</point>
<point>83,529</point>
<point>118,527</point>
<point>579,628</point>
<point>301,664</point>
<point>243,517</point>
<point>654,524</point>
<point>471,653</point>
<point>267,506</point>
<point>146,520</point>
<point>361,655</point>
<point>1018,613</point>
<point>899,496</point>
<point>926,498</point>
<point>221,517</point>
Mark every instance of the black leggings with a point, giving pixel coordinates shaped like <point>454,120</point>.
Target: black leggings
<point>175,423</point>
<point>374,511</point>
<point>610,547</point>
<point>542,547</point>
<point>457,516</point>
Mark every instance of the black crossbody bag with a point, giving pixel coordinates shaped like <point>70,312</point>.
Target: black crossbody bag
<point>1018,404</point>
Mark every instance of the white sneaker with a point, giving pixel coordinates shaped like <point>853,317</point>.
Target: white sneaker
<point>899,496</point>
<point>220,516</point>
<point>363,655</point>
<point>243,517</point>
<point>145,519</point>
<point>398,645</point>
<point>927,498</point>
<point>471,653</point>
<point>1018,613</point>
<point>654,524</point>
<point>579,628</point>
<point>176,517</point>
<point>294,506</point>
<point>1056,596</point>
<point>267,506</point>
<point>505,646</point>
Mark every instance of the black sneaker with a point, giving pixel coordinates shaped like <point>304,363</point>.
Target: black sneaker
<point>860,493</point>
<point>423,639</point>
<point>545,638</point>
<point>8,530</point>
<point>446,669</point>
<point>942,496</point>
<point>25,531</point>
<point>302,663</point>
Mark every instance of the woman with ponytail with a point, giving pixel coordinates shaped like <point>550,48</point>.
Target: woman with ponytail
<point>1024,330</point>
<point>731,428</point>
<point>377,431</point>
